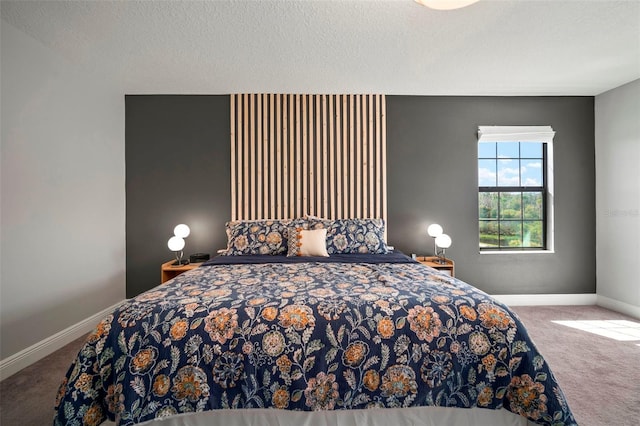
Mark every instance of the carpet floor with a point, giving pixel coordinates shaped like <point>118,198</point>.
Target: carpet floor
<point>599,375</point>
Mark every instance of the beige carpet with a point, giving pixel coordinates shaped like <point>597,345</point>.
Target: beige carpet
<point>599,375</point>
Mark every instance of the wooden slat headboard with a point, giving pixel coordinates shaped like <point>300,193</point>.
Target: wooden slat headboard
<point>322,155</point>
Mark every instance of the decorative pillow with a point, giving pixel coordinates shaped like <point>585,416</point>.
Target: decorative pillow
<point>245,237</point>
<point>352,235</point>
<point>304,242</point>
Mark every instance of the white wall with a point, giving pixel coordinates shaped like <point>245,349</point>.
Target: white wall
<point>62,193</point>
<point>617,138</point>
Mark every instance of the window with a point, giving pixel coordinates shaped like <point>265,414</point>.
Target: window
<point>513,188</point>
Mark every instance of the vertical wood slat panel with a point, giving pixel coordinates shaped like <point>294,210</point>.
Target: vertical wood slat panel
<point>271,159</point>
<point>312,169</point>
<point>378,158</point>
<point>325,193</point>
<point>358,146</point>
<point>332,190</point>
<point>365,158</point>
<point>260,182</point>
<point>295,154</point>
<point>352,211</point>
<point>318,162</point>
<point>232,126</point>
<point>245,166</point>
<point>292,158</point>
<point>305,159</point>
<point>252,158</point>
<point>338,152</point>
<point>298,210</point>
<point>285,158</point>
<point>383,165</point>
<point>264,144</point>
<point>278,170</point>
<point>345,157</point>
<point>371,144</point>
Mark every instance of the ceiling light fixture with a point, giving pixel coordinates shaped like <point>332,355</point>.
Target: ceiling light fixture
<point>446,4</point>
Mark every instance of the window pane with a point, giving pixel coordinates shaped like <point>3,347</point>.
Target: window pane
<point>510,233</point>
<point>533,236</point>
<point>531,172</point>
<point>509,150</point>
<point>509,215</point>
<point>510,205</point>
<point>508,173</point>
<point>488,205</point>
<point>487,150</point>
<point>532,205</point>
<point>488,234</point>
<point>486,172</point>
<point>531,150</point>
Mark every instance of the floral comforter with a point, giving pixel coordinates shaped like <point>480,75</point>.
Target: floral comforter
<point>308,336</point>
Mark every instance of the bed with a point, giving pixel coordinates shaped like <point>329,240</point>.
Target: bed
<point>324,326</point>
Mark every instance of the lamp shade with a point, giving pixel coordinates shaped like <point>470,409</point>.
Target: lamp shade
<point>181,231</point>
<point>434,230</point>
<point>443,241</point>
<point>175,243</point>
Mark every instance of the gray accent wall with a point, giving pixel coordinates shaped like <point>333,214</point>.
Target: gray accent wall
<point>177,171</point>
<point>177,162</point>
<point>432,169</point>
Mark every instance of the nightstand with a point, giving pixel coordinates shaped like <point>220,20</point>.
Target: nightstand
<point>169,271</point>
<point>433,261</point>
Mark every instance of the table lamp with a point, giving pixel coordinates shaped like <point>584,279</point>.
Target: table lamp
<point>434,230</point>
<point>176,243</point>
<point>444,242</point>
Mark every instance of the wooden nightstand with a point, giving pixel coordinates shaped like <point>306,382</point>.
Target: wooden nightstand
<point>432,261</point>
<point>169,271</point>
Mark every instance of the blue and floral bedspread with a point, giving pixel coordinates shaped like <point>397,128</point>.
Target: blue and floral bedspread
<point>308,336</point>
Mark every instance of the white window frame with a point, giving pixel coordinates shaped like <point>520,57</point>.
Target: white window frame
<point>543,134</point>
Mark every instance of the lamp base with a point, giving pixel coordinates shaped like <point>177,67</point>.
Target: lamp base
<point>181,263</point>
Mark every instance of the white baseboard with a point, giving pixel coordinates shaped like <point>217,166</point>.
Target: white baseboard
<point>546,299</point>
<point>618,306</point>
<point>36,352</point>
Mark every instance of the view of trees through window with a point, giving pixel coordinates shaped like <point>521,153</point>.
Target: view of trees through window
<point>511,198</point>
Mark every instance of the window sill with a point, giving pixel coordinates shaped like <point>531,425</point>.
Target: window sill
<point>517,252</point>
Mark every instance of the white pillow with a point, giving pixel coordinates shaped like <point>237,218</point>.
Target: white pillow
<point>308,242</point>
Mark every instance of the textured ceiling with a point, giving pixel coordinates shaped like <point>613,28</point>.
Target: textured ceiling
<point>518,47</point>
